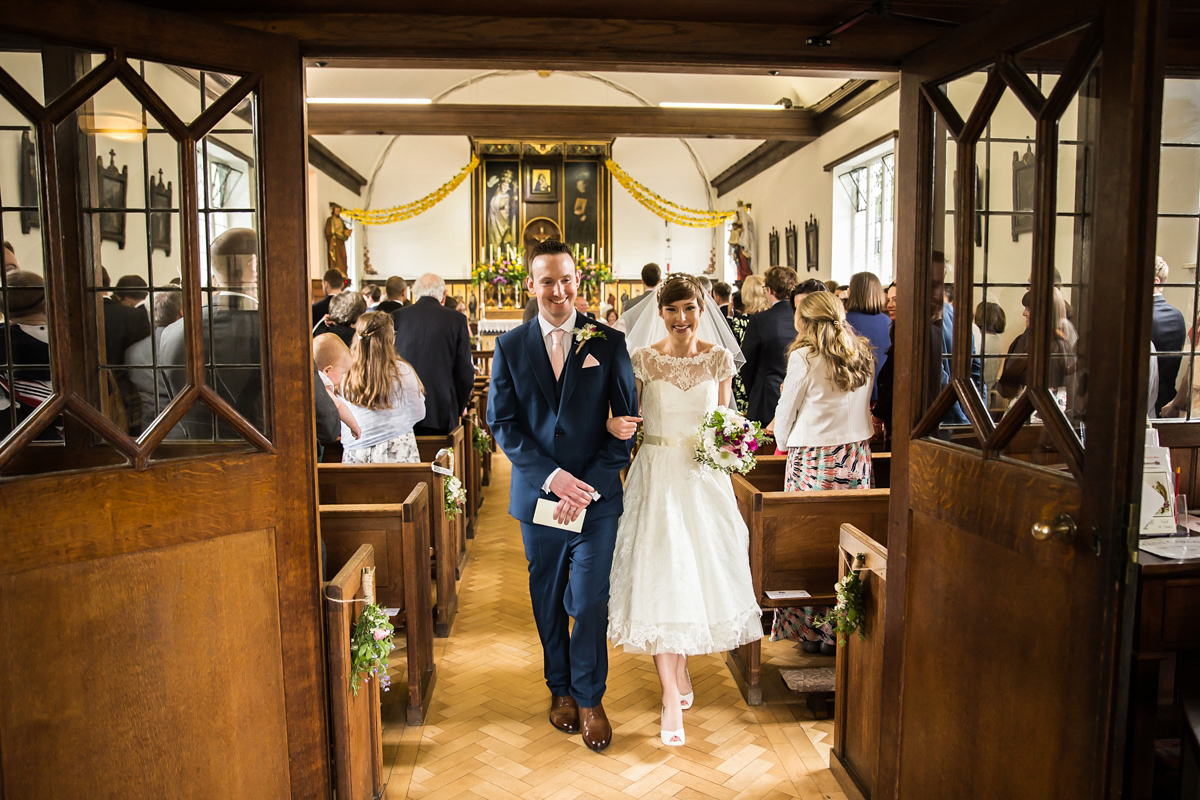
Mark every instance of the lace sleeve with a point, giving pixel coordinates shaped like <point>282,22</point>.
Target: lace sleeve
<point>638,357</point>
<point>722,364</point>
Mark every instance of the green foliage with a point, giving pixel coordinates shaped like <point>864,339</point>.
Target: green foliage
<point>480,439</point>
<point>369,647</point>
<point>455,495</point>
<point>848,615</point>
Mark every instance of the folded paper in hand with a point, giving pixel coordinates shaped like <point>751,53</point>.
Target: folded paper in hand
<point>543,514</point>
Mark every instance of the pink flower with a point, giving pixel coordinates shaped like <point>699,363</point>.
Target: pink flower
<point>379,633</point>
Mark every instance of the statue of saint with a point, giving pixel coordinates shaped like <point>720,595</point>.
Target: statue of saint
<point>741,240</point>
<point>501,214</point>
<point>336,234</point>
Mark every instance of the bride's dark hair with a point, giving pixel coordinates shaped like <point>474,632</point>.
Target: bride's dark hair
<point>680,286</point>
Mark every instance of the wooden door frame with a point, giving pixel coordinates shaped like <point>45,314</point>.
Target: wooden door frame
<point>83,529</point>
<point>1131,77</point>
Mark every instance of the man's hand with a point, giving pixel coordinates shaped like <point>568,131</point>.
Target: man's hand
<point>566,512</point>
<point>622,427</point>
<point>571,490</point>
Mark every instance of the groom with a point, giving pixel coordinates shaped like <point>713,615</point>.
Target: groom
<point>551,392</point>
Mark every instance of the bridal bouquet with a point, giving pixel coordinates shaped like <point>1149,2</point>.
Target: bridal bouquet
<point>727,441</point>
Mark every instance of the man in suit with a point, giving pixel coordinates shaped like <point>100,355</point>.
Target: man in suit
<point>396,288</point>
<point>434,339</point>
<point>234,345</point>
<point>651,277</point>
<point>768,334</point>
<point>333,282</point>
<point>1168,332</point>
<point>551,394</point>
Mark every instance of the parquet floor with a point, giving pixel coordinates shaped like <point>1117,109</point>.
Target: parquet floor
<point>486,733</point>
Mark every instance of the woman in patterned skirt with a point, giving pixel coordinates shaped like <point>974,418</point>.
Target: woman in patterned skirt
<point>384,394</point>
<point>824,421</point>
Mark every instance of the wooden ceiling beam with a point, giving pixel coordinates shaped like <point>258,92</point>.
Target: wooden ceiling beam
<point>849,99</point>
<point>558,43</point>
<point>561,122</point>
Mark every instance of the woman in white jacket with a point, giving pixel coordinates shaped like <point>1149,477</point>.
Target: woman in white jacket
<point>823,420</point>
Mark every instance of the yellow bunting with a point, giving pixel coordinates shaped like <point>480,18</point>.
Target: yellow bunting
<point>409,210</point>
<point>672,212</point>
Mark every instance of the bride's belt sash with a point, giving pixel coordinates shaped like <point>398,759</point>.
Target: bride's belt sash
<point>669,441</point>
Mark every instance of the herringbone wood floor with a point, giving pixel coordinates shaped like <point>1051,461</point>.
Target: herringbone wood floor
<point>486,733</point>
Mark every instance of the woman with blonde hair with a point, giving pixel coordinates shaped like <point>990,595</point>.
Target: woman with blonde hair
<point>824,421</point>
<point>384,394</point>
<point>754,296</point>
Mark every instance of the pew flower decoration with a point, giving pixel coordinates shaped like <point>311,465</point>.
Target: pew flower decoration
<point>585,334</point>
<point>481,440</point>
<point>369,648</point>
<point>727,441</point>
<point>455,496</point>
<point>847,616</point>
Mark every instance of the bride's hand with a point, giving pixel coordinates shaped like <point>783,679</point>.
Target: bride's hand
<point>622,427</point>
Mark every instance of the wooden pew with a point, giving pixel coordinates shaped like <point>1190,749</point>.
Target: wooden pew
<point>480,397</point>
<point>355,720</point>
<point>859,699</point>
<point>793,546</point>
<point>428,446</point>
<point>400,533</point>
<point>474,467</point>
<point>373,484</point>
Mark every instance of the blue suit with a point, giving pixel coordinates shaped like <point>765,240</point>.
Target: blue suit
<point>542,424</point>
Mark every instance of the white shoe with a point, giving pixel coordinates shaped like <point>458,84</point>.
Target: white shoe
<point>685,700</point>
<point>670,738</point>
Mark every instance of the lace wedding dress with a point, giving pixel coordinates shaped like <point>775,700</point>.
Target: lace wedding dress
<point>680,580</point>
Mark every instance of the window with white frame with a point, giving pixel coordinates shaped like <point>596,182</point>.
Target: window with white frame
<point>864,201</point>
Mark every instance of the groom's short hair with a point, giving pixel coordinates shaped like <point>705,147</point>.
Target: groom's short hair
<point>549,247</point>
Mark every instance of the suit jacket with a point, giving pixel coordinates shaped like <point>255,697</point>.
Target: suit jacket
<point>1168,331</point>
<point>123,326</point>
<point>768,334</point>
<point>542,424</point>
<point>435,340</point>
<point>633,301</point>
<point>320,309</point>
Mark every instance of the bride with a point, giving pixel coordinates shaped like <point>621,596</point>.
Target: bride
<point>680,581</point>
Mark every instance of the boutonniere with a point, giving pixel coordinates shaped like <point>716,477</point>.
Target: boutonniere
<point>582,335</point>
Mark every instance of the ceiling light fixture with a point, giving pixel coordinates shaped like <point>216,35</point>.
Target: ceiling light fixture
<point>370,101</point>
<point>726,106</point>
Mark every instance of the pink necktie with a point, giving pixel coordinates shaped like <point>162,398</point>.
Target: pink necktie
<point>556,353</point>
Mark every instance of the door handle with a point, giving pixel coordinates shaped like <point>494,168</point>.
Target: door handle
<point>1062,529</point>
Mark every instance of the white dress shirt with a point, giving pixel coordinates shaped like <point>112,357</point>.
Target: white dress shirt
<point>813,412</point>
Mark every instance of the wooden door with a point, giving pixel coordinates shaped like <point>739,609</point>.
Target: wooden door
<point>158,563</point>
<point>1028,147</point>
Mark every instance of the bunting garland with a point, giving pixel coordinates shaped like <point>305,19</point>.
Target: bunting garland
<point>409,210</point>
<point>672,212</point>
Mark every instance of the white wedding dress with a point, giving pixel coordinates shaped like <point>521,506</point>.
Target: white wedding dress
<point>680,580</point>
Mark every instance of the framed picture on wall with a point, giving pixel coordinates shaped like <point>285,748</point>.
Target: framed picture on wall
<point>581,210</point>
<point>160,223</point>
<point>113,186</point>
<point>541,183</point>
<point>28,188</point>
<point>811,244</point>
<point>773,248</point>
<point>1022,181</point>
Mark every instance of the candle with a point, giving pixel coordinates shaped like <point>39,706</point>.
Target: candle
<point>593,252</point>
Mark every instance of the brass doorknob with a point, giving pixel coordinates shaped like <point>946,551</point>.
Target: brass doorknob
<point>1062,529</point>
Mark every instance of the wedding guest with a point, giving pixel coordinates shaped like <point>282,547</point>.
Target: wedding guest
<point>344,311</point>
<point>125,323</point>
<point>864,313</point>
<point>1012,379</point>
<point>891,301</point>
<point>1168,333</point>
<point>10,257</point>
<point>768,334</point>
<point>610,317</point>
<point>384,395</point>
<point>823,419</point>
<point>29,383</point>
<point>153,392</point>
<point>581,306</point>
<point>396,289</point>
<point>332,282</point>
<point>721,292</point>
<point>651,277</point>
<point>333,361</point>
<point>991,320</point>
<point>806,288</point>
<point>754,296</point>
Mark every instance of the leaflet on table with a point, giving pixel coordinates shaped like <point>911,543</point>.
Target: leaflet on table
<point>790,594</point>
<point>1158,493</point>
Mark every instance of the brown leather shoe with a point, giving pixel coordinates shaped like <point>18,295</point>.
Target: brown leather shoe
<point>564,714</point>
<point>597,733</point>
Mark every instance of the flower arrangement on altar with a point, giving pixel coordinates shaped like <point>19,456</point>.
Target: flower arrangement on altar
<point>591,274</point>
<point>501,272</point>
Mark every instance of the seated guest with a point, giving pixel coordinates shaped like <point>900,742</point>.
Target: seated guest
<point>333,282</point>
<point>384,395</point>
<point>435,341</point>
<point>153,392</point>
<point>30,383</point>
<point>865,302</point>
<point>610,317</point>
<point>581,306</point>
<point>397,290</point>
<point>232,334</point>
<point>344,311</point>
<point>332,359</point>
<point>768,334</point>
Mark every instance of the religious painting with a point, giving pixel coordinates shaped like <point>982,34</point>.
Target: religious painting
<point>790,242</point>
<point>114,184</point>
<point>581,211</point>
<point>541,183</point>
<point>773,248</point>
<point>1022,182</point>
<point>28,188</point>
<point>811,242</point>
<point>500,208</point>
<point>160,222</point>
